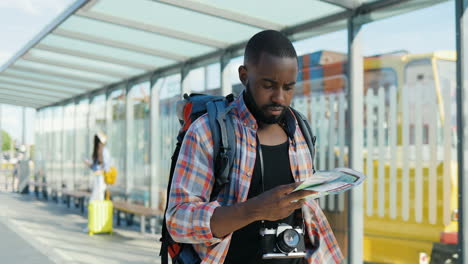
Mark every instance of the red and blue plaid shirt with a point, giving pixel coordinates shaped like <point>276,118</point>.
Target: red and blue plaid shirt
<point>190,209</point>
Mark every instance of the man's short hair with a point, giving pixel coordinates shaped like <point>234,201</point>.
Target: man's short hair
<point>271,42</point>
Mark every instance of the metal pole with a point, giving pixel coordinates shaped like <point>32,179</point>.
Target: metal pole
<point>355,109</point>
<point>23,116</point>
<point>461,25</point>
<point>129,139</point>
<point>154,143</point>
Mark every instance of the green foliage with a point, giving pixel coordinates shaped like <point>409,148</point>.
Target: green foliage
<point>6,141</point>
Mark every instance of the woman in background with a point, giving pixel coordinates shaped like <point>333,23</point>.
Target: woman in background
<point>100,163</point>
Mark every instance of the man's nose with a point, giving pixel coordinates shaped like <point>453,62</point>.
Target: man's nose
<point>278,96</point>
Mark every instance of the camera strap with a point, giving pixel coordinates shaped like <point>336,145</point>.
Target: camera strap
<point>259,149</point>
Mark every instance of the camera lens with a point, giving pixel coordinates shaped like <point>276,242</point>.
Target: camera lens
<point>288,240</point>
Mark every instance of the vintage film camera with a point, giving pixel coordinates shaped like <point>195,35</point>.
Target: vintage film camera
<point>282,242</point>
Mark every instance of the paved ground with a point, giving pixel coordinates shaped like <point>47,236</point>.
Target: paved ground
<point>33,231</point>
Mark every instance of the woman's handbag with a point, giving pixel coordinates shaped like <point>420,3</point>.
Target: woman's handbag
<point>110,176</point>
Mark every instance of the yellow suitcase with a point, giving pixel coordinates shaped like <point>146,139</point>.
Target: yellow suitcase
<point>100,217</point>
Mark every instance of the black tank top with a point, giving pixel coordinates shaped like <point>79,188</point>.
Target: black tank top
<point>245,244</point>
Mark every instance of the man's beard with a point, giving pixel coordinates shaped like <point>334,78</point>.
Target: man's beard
<point>259,113</point>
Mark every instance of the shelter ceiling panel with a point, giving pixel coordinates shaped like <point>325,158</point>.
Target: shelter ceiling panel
<point>69,73</point>
<point>286,13</point>
<point>5,91</point>
<point>47,80</point>
<point>58,58</point>
<point>32,90</point>
<point>174,17</point>
<point>26,99</point>
<point>64,90</point>
<point>172,47</point>
<point>105,51</point>
<point>21,103</point>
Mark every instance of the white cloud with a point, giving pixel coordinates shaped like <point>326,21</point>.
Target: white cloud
<point>4,56</point>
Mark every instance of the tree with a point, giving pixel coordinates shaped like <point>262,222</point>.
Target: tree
<point>6,141</point>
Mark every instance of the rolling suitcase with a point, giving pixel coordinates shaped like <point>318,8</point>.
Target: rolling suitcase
<point>100,217</point>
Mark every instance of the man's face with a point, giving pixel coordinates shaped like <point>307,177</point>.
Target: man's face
<point>271,84</point>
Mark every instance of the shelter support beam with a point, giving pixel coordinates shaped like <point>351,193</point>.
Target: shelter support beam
<point>355,112</point>
<point>461,10</point>
<point>155,145</point>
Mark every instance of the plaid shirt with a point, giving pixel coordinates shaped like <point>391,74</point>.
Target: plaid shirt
<point>190,210</point>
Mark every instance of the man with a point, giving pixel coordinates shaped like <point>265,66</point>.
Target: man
<point>272,159</point>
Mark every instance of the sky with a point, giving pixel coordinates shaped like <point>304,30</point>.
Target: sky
<point>421,31</point>
<point>20,21</point>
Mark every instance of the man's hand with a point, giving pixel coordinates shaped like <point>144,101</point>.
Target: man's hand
<point>278,202</point>
<point>274,204</point>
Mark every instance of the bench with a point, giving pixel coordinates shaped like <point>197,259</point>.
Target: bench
<point>131,209</point>
<point>39,186</point>
<point>54,193</point>
<point>79,196</point>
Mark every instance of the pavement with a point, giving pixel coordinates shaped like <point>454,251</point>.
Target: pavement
<point>37,231</point>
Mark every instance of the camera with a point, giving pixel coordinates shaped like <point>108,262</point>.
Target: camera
<point>282,242</point>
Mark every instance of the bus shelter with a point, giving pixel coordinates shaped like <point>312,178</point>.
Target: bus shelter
<point>119,66</point>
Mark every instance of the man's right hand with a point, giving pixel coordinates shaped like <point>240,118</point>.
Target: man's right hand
<point>271,205</point>
<point>278,202</point>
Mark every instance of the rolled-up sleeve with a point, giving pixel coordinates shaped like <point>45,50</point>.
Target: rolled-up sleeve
<point>190,209</point>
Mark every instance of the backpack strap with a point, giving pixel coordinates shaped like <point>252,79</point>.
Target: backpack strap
<point>224,142</point>
<point>307,132</point>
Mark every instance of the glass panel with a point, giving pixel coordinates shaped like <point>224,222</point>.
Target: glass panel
<point>172,17</point>
<point>168,127</point>
<point>47,77</point>
<point>410,193</point>
<point>57,151</point>
<point>47,145</point>
<point>213,76</point>
<point>83,62</point>
<point>196,80</point>
<point>106,51</point>
<point>300,8</point>
<point>83,147</point>
<point>234,64</point>
<point>40,148</point>
<point>62,70</point>
<point>133,37</point>
<point>205,80</point>
<point>116,134</point>
<point>68,146</point>
<point>170,87</point>
<point>138,142</point>
<point>320,94</point>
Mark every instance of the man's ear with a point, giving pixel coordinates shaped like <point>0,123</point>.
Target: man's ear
<point>243,74</point>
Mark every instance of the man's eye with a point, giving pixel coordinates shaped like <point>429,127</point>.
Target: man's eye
<point>268,86</point>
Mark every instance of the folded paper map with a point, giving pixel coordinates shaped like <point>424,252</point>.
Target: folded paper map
<point>331,182</point>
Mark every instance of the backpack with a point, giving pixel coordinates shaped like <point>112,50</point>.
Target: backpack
<point>221,124</point>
